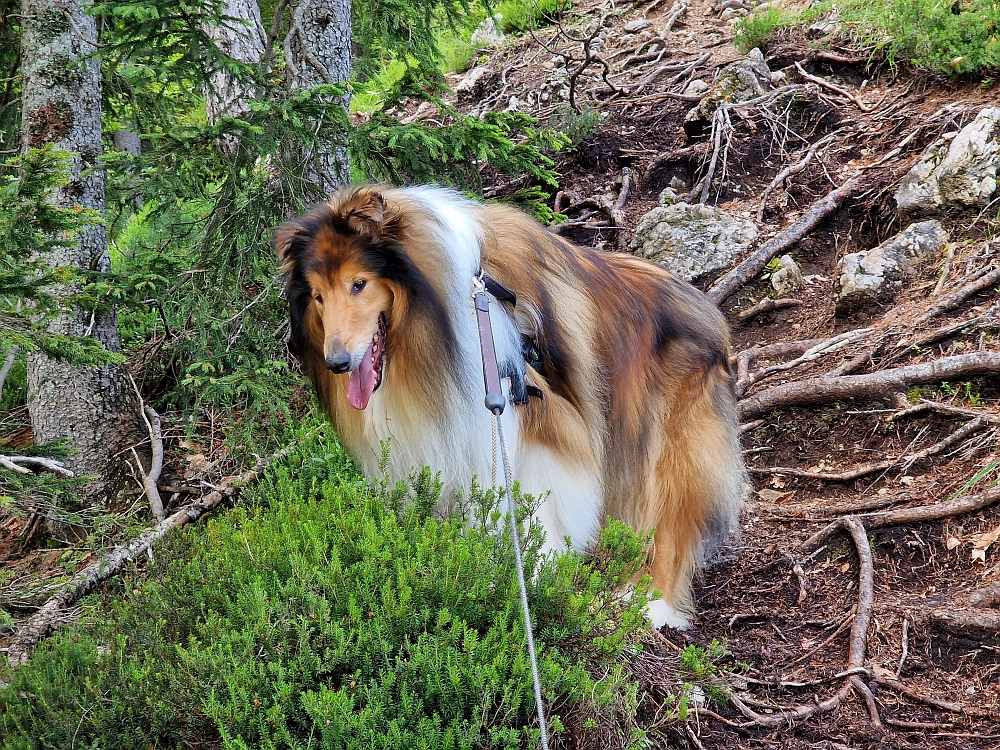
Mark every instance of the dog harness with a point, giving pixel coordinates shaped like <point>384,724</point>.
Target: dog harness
<point>520,388</point>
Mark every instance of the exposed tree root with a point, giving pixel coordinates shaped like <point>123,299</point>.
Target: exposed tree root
<point>751,266</point>
<point>881,385</point>
<point>789,171</point>
<point>766,305</point>
<point>17,464</point>
<point>974,623</point>
<point>859,634</point>
<point>905,460</point>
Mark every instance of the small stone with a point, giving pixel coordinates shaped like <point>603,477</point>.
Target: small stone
<point>678,184</point>
<point>696,87</point>
<point>787,279</point>
<point>634,27</point>
<point>668,197</point>
<point>514,105</point>
<point>488,33</point>
<point>473,82</point>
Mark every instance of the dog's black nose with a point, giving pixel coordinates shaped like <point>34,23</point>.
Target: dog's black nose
<point>339,362</point>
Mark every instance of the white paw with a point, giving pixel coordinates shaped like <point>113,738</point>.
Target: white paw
<point>660,613</point>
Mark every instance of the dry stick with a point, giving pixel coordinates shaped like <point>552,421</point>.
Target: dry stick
<point>8,363</point>
<point>835,89</point>
<point>859,471</point>
<point>877,385</point>
<point>945,331</point>
<point>678,10</point>
<point>949,258</point>
<point>859,632</point>
<point>766,305</point>
<point>14,464</point>
<point>792,169</point>
<point>150,478</point>
<point>752,265</point>
<point>957,411</point>
<point>36,626</point>
<point>954,299</point>
<point>986,597</point>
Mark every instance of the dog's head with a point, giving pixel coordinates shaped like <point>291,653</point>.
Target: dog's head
<point>343,262</point>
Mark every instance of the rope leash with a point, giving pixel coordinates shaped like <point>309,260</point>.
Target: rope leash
<point>495,402</point>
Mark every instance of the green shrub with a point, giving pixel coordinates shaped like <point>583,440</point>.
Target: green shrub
<point>325,614</point>
<point>962,36</point>
<point>758,28</point>
<point>523,15</point>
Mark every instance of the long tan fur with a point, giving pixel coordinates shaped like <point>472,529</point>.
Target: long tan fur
<point>638,396</point>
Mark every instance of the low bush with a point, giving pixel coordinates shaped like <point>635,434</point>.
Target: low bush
<point>324,612</point>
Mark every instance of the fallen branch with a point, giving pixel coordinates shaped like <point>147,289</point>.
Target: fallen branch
<point>751,266</point>
<point>824,347</point>
<point>86,580</point>
<point>766,305</point>
<point>17,464</point>
<point>882,385</point>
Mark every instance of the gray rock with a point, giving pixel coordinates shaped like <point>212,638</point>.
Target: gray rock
<point>862,278</point>
<point>668,197</point>
<point>824,26</point>
<point>691,240</point>
<point>488,34</point>
<point>696,87</point>
<point>959,170</point>
<point>737,82</point>
<point>473,82</point>
<point>787,279</point>
<point>634,27</point>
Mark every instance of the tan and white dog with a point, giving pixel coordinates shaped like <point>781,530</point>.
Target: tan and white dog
<point>636,418</point>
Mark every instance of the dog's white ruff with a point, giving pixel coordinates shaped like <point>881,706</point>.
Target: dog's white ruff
<point>571,504</point>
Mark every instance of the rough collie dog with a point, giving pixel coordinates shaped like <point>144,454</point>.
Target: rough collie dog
<point>618,372</point>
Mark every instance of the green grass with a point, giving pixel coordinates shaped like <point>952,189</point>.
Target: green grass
<point>522,15</point>
<point>322,613</point>
<point>952,37</point>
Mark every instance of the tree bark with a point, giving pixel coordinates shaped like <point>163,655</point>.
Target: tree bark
<point>318,51</point>
<point>241,36</point>
<point>61,100</point>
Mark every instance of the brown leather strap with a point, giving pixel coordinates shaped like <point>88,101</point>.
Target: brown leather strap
<point>491,371</point>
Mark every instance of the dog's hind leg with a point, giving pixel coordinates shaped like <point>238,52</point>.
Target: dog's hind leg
<point>699,479</point>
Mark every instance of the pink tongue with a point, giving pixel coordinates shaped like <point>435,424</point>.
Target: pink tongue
<point>361,382</point>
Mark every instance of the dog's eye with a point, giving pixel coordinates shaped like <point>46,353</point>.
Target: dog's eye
<point>319,298</point>
<point>358,285</point>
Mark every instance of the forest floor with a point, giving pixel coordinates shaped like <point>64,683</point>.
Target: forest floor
<point>791,613</point>
<point>785,611</point>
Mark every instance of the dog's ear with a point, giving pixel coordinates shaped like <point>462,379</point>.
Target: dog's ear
<point>284,236</point>
<point>364,211</point>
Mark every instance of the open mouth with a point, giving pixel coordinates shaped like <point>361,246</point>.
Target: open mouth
<point>365,379</point>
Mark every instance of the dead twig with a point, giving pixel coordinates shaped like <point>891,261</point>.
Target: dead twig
<point>751,266</point>
<point>953,299</point>
<point>836,89</point>
<point>8,363</point>
<point>17,464</point>
<point>949,258</point>
<point>766,305</point>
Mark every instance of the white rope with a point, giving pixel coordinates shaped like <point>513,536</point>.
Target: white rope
<point>519,564</point>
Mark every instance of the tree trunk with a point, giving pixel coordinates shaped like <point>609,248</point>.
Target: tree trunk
<point>318,50</point>
<point>61,99</point>
<point>241,36</point>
